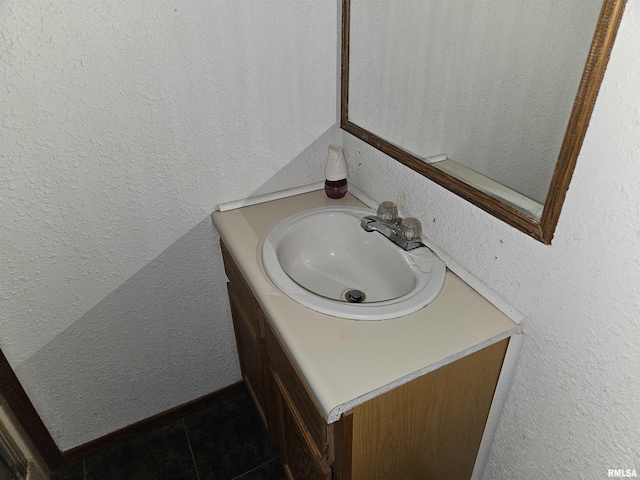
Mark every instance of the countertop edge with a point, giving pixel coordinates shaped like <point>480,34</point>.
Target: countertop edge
<point>335,413</point>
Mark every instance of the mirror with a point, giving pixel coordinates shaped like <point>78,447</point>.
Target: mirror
<point>489,98</point>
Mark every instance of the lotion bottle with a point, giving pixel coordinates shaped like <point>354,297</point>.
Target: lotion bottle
<point>335,173</point>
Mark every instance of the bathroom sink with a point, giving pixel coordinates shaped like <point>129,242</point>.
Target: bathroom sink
<point>323,259</point>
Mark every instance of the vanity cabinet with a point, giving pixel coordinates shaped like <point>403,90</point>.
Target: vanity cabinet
<point>428,428</point>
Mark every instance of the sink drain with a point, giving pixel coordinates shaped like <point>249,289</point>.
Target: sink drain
<point>354,296</point>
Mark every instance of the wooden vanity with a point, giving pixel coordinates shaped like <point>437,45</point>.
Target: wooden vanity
<point>425,426</point>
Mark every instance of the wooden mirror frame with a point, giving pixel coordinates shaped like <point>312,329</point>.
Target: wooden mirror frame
<point>542,230</point>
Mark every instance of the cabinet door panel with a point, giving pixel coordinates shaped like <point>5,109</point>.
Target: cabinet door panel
<point>250,353</point>
<point>318,428</point>
<point>302,457</point>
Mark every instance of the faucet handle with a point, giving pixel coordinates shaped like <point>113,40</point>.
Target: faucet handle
<point>410,229</point>
<point>387,211</point>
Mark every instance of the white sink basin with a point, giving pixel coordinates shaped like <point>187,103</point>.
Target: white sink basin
<point>321,257</point>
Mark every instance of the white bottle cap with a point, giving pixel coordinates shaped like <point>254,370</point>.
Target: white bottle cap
<point>336,167</point>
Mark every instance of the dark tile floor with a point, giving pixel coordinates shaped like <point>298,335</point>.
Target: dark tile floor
<point>225,442</point>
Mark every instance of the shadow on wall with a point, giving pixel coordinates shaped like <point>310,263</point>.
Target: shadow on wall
<point>161,339</point>
<point>157,341</point>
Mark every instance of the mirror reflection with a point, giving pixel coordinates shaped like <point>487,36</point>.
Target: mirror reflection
<point>481,89</point>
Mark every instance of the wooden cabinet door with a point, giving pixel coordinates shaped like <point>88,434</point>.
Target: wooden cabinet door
<point>250,352</point>
<point>292,383</point>
<point>301,457</point>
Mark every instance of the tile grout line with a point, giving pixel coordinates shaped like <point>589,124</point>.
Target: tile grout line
<point>255,468</point>
<point>193,457</point>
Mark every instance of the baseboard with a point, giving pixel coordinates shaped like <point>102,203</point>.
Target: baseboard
<point>155,421</point>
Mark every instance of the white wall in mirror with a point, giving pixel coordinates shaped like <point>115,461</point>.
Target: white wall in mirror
<point>490,83</point>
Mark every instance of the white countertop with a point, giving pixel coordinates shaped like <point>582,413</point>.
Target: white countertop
<point>346,362</point>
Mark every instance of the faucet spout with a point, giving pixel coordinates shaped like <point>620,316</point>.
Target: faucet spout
<point>371,223</point>
<point>391,230</point>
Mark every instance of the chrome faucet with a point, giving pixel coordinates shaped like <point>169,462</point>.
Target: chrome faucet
<point>405,233</point>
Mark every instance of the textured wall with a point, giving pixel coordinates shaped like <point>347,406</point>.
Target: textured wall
<point>485,82</point>
<point>122,125</point>
<point>573,407</point>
